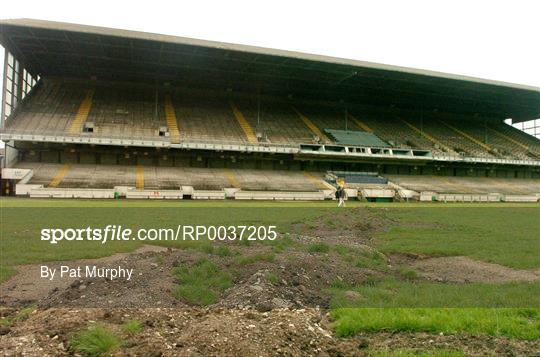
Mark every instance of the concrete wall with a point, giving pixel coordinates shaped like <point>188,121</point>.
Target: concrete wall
<point>288,196</point>
<point>11,155</point>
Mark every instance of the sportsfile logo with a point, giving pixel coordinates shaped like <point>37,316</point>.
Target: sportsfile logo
<point>181,232</point>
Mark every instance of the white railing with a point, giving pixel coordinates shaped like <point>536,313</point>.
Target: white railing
<point>223,145</point>
<point>486,160</point>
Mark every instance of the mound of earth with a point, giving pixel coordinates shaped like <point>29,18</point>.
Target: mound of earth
<point>276,304</point>
<point>27,287</point>
<point>300,280</point>
<point>460,269</point>
<point>230,332</point>
<point>354,227</point>
<point>303,278</point>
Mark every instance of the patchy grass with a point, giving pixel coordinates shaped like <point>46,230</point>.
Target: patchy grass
<point>21,315</point>
<point>158,259</point>
<point>132,327</point>
<point>208,247</point>
<point>9,202</point>
<point>369,259</point>
<point>201,284</point>
<point>499,233</point>
<point>280,244</point>
<point>18,231</point>
<point>502,235</point>
<point>393,293</point>
<point>330,223</point>
<point>222,251</point>
<point>272,277</point>
<point>251,259</point>
<point>413,353</point>
<point>24,313</point>
<point>499,322</point>
<point>407,273</point>
<point>6,273</point>
<point>361,258</point>
<point>318,248</point>
<point>95,341</point>
<point>341,249</point>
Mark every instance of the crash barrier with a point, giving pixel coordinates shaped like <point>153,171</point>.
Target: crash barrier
<point>208,195</point>
<point>46,192</point>
<point>521,198</point>
<point>468,198</point>
<point>274,196</point>
<point>155,194</point>
<point>377,193</point>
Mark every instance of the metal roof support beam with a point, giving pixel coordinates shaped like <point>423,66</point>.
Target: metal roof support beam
<point>4,82</point>
<point>69,50</point>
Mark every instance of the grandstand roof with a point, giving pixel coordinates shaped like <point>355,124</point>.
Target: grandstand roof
<point>70,50</point>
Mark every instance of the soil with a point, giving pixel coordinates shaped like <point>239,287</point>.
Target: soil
<point>460,269</point>
<point>275,306</point>
<point>302,278</point>
<point>28,288</point>
<point>355,227</point>
<point>227,332</point>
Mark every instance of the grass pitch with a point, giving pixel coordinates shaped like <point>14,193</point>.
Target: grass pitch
<point>512,323</point>
<point>505,234</point>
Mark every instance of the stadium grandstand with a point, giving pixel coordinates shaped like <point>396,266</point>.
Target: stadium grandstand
<point>98,112</point>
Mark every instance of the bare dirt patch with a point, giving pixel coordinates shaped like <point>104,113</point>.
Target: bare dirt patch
<point>27,287</point>
<point>300,280</point>
<point>231,332</point>
<point>460,269</point>
<point>293,278</point>
<point>276,305</point>
<point>353,227</point>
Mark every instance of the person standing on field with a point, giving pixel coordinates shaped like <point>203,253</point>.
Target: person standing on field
<point>340,195</point>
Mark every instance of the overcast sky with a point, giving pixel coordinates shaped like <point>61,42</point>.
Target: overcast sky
<point>487,39</point>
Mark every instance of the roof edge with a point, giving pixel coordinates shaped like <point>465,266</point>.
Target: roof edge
<point>106,31</point>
